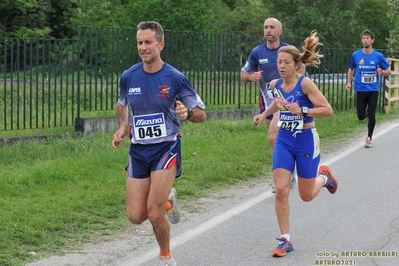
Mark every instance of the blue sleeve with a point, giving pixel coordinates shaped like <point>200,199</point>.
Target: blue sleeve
<point>352,63</point>
<point>122,92</point>
<point>188,94</point>
<point>383,62</point>
<point>250,66</point>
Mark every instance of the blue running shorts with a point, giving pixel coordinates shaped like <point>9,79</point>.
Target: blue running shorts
<point>143,159</point>
<point>300,146</point>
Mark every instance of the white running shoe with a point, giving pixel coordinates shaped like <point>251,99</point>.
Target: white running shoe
<point>166,261</point>
<point>174,213</point>
<point>293,179</point>
<point>273,189</point>
<point>368,143</point>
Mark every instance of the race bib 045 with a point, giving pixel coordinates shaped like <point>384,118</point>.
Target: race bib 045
<point>149,126</point>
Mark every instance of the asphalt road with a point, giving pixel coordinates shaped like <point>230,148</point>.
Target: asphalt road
<point>359,225</point>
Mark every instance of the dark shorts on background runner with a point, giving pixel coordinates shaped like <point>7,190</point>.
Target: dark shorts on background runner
<point>300,146</point>
<point>270,117</point>
<point>143,159</point>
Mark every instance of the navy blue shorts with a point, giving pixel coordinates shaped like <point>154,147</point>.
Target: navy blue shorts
<point>270,117</point>
<point>143,159</point>
<point>300,146</point>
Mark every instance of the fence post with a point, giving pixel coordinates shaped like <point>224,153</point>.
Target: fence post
<point>391,88</point>
<point>78,125</point>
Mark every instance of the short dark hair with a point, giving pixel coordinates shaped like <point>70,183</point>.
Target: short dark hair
<point>367,33</point>
<point>152,25</point>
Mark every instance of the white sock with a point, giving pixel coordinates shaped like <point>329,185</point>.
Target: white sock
<point>325,179</point>
<point>286,236</point>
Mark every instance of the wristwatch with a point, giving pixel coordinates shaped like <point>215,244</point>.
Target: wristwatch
<point>305,111</point>
<point>189,113</point>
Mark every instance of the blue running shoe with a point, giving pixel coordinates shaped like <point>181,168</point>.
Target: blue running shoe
<point>283,247</point>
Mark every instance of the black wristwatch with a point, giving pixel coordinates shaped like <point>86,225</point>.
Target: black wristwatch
<point>189,113</point>
<point>305,111</point>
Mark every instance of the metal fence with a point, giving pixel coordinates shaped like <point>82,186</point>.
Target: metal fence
<point>52,83</point>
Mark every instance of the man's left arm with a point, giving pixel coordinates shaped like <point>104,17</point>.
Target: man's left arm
<point>195,115</point>
<point>385,72</point>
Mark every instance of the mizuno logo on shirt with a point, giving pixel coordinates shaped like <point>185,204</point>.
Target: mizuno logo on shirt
<point>289,117</point>
<point>146,122</point>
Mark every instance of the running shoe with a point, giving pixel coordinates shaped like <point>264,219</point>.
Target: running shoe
<point>174,213</point>
<point>273,189</point>
<point>293,179</point>
<point>166,261</point>
<point>293,183</point>
<point>332,182</point>
<point>368,143</point>
<point>283,247</point>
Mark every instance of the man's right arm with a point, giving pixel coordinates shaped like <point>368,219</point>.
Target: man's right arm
<point>254,77</point>
<point>246,76</point>
<point>122,114</point>
<point>349,77</point>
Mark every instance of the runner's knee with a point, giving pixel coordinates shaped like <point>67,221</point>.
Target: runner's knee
<point>135,217</point>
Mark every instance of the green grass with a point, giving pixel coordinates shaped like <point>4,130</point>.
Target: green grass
<point>59,194</point>
<point>35,132</point>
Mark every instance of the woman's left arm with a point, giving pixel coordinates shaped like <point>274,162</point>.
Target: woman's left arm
<point>322,106</point>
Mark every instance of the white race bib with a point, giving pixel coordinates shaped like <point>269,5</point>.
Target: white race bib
<point>289,121</point>
<point>150,126</point>
<point>369,77</point>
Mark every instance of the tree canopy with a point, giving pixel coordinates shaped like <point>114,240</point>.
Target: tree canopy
<point>393,39</point>
<point>340,22</point>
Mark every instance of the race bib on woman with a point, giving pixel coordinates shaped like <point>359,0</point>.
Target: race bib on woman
<point>289,121</point>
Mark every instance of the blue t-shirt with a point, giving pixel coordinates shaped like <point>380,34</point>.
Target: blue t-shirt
<point>265,59</point>
<point>365,65</point>
<point>152,101</point>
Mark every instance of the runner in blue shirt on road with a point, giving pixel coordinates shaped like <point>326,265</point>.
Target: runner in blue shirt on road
<point>367,64</point>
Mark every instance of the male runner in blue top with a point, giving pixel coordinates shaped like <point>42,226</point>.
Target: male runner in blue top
<point>367,64</point>
<point>261,67</point>
<point>154,92</point>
